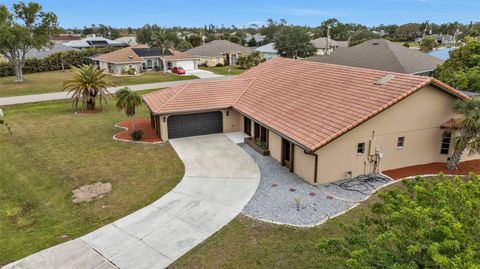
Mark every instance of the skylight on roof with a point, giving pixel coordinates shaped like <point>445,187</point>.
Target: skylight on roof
<point>384,79</point>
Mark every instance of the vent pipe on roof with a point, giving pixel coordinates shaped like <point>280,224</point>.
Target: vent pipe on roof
<point>384,79</point>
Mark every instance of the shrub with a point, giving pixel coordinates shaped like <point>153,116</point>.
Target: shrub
<point>54,62</point>
<point>137,135</point>
<point>431,223</point>
<point>406,44</point>
<point>131,70</point>
<point>261,144</point>
<point>219,65</point>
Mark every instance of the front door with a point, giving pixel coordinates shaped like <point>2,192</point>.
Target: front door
<point>287,154</point>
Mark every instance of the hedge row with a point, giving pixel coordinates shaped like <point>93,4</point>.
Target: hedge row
<point>54,61</point>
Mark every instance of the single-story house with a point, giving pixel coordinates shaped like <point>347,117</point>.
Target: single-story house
<point>219,52</point>
<point>326,45</point>
<point>143,58</point>
<point>259,39</point>
<point>129,40</point>
<point>268,51</point>
<point>330,123</point>
<point>47,51</point>
<point>383,55</point>
<point>94,42</point>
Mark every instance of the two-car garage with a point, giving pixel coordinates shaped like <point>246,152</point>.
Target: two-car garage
<point>195,124</point>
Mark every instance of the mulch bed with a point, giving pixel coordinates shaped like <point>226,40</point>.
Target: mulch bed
<point>89,112</point>
<point>464,168</point>
<point>149,134</point>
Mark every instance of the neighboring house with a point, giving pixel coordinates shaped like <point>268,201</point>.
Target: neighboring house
<point>321,44</point>
<point>143,58</point>
<point>268,51</point>
<point>380,33</point>
<point>323,122</point>
<point>128,40</point>
<point>63,38</point>
<point>259,39</point>
<point>219,52</point>
<point>47,51</point>
<point>384,55</point>
<point>447,40</point>
<point>471,94</point>
<point>94,42</point>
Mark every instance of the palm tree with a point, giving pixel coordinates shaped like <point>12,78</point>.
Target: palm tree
<point>159,40</point>
<point>469,128</point>
<point>129,101</point>
<point>86,84</point>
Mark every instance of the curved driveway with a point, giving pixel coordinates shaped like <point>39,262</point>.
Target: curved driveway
<point>220,178</point>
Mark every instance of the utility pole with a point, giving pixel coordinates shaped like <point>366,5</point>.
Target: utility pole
<point>328,39</point>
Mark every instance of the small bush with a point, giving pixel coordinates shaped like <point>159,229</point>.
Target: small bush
<point>219,65</point>
<point>137,135</point>
<point>406,44</point>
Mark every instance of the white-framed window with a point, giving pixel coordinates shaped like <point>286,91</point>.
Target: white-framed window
<point>401,142</point>
<point>361,148</point>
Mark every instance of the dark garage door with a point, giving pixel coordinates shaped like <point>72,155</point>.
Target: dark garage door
<point>195,124</point>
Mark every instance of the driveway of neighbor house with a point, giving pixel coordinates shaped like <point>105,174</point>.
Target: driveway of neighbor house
<point>220,178</point>
<point>202,74</point>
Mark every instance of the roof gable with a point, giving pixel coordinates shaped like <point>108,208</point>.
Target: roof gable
<point>382,54</point>
<point>217,48</point>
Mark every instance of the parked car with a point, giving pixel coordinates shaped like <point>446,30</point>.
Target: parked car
<point>178,70</point>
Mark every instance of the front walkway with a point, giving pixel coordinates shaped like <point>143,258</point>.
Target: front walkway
<point>220,178</point>
<point>25,99</point>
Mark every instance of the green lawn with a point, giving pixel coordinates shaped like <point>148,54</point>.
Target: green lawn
<point>52,152</point>
<point>247,243</point>
<point>235,70</point>
<point>53,82</point>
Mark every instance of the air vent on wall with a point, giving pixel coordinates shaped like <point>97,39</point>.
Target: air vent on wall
<point>384,79</point>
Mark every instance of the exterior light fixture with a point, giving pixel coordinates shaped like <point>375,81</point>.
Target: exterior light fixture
<point>164,119</point>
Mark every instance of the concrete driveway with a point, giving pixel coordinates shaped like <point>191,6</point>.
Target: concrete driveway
<point>220,178</point>
<point>203,74</point>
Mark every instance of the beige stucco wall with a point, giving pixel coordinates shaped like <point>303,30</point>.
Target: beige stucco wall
<point>211,61</point>
<point>275,146</point>
<point>232,122</point>
<point>303,164</point>
<point>417,118</point>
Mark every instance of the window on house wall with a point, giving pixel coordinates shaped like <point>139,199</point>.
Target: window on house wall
<point>247,126</point>
<point>446,139</point>
<point>401,142</point>
<point>361,148</point>
<point>256,130</point>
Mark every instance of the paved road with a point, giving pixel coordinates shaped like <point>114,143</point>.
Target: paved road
<point>24,99</point>
<point>220,178</point>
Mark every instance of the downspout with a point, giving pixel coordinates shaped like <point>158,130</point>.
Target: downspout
<point>316,164</point>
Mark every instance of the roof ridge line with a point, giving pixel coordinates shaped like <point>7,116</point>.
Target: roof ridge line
<point>169,99</point>
<point>244,91</point>
<point>392,51</point>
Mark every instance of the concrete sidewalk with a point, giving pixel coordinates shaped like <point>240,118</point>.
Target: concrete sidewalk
<point>25,99</point>
<point>220,178</point>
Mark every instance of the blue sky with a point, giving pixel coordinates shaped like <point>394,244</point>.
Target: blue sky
<point>136,13</point>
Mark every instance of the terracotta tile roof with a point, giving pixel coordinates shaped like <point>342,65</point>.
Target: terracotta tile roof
<point>125,55</point>
<point>200,96</point>
<point>452,124</point>
<point>309,103</point>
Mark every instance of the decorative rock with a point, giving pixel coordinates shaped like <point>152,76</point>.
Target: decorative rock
<point>312,193</point>
<point>274,185</point>
<point>292,189</point>
<point>89,192</point>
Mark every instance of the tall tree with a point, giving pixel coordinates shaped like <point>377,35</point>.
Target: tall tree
<point>462,69</point>
<point>293,42</point>
<point>428,44</point>
<point>23,28</point>
<point>86,84</point>
<point>361,36</point>
<point>128,101</point>
<point>160,40</point>
<point>469,128</point>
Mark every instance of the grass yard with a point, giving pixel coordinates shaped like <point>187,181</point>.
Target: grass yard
<point>248,243</point>
<point>46,82</point>
<point>52,152</point>
<point>235,70</point>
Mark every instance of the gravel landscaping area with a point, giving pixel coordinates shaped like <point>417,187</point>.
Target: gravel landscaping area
<point>284,198</point>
